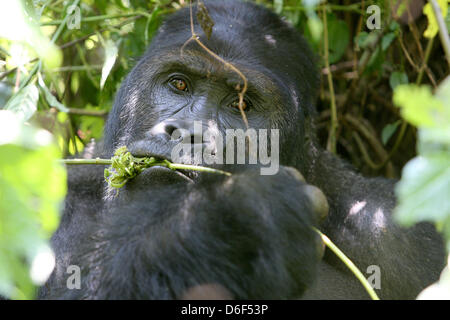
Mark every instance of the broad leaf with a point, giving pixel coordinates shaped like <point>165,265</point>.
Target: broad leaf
<point>24,103</point>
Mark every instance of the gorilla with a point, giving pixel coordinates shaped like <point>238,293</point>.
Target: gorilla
<point>181,234</point>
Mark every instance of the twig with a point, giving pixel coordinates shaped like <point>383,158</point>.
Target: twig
<point>94,18</point>
<point>73,42</point>
<point>364,152</point>
<point>358,274</point>
<point>163,163</point>
<point>195,37</point>
<point>362,67</point>
<point>368,134</point>
<point>443,32</point>
<point>411,62</point>
<point>391,153</point>
<point>331,143</point>
<point>90,113</point>
<point>425,60</point>
<point>86,161</point>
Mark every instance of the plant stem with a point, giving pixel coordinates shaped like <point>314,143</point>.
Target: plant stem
<point>178,166</point>
<point>443,32</point>
<point>163,163</point>
<point>425,61</point>
<point>87,161</point>
<point>349,264</point>
<point>331,144</point>
<point>94,18</point>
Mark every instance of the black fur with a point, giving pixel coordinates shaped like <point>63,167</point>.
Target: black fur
<point>164,234</point>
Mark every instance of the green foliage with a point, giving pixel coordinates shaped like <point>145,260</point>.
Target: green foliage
<point>425,186</point>
<point>125,167</point>
<point>388,131</point>
<point>32,187</point>
<point>423,192</point>
<point>19,23</point>
<point>420,108</point>
<point>338,38</point>
<point>433,27</point>
<point>97,43</point>
<point>397,78</point>
<point>111,51</point>
<point>24,103</point>
<point>49,97</point>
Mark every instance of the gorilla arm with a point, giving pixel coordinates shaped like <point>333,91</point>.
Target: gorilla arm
<point>360,223</point>
<point>248,233</point>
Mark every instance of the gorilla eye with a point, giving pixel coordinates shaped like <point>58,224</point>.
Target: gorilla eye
<point>179,84</point>
<point>235,104</point>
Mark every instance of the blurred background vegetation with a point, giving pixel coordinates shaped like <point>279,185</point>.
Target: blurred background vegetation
<point>61,63</point>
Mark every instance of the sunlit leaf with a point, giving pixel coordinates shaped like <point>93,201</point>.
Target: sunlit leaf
<point>32,187</point>
<point>278,6</point>
<point>18,23</point>
<point>52,101</point>
<point>24,103</point>
<point>419,107</point>
<point>111,52</point>
<point>433,27</point>
<point>424,190</point>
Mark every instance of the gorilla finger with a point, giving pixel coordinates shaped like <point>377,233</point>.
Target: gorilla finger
<point>295,173</point>
<point>318,200</point>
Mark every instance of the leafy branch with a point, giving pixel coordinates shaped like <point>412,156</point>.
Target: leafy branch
<point>124,166</point>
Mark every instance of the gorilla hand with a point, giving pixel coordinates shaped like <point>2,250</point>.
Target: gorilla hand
<point>248,233</point>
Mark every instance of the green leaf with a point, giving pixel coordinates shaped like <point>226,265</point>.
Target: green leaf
<point>111,52</point>
<point>398,78</point>
<point>50,97</point>
<point>394,26</point>
<point>364,39</point>
<point>361,39</point>
<point>388,131</point>
<point>387,40</point>
<point>18,23</point>
<point>433,27</point>
<point>424,190</point>
<point>338,38</point>
<point>278,6</point>
<point>419,107</point>
<point>32,187</point>
<point>315,27</point>
<point>24,103</point>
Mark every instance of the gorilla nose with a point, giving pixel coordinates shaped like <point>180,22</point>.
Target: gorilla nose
<point>177,129</point>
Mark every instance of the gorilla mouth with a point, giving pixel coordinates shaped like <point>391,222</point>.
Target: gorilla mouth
<point>165,175</point>
<point>151,148</point>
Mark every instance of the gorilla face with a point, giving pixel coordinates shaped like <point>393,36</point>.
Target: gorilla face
<point>176,83</point>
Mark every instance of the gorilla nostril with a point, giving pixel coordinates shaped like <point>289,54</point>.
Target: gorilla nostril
<point>158,129</point>
<point>169,129</point>
<point>176,129</point>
